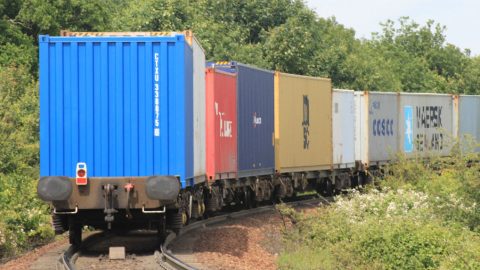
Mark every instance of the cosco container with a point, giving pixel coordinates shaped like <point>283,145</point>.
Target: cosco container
<point>469,117</point>
<point>427,123</point>
<point>303,123</point>
<point>382,127</point>
<point>343,113</point>
<point>221,124</point>
<point>123,105</point>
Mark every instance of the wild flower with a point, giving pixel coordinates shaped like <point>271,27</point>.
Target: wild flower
<point>384,204</point>
<point>2,238</point>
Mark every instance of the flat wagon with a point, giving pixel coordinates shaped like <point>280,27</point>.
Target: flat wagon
<point>117,117</point>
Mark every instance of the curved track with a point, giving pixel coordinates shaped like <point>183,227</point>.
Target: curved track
<point>163,256</point>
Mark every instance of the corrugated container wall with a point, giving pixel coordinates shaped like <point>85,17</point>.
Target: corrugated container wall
<point>123,105</point>
<point>469,117</point>
<point>221,120</point>
<point>343,128</point>
<point>303,123</point>
<point>382,126</point>
<point>426,123</point>
<point>256,154</point>
<point>361,127</point>
<point>199,137</point>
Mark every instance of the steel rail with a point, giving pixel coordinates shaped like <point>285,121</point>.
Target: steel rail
<point>67,259</point>
<point>163,256</point>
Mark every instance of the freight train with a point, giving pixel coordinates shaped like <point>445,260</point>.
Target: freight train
<point>137,131</point>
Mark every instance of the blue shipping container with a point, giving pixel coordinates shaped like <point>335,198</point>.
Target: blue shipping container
<point>256,151</point>
<point>468,117</point>
<point>122,105</point>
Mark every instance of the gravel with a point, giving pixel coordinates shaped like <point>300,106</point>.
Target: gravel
<point>139,246</point>
<point>248,243</point>
<point>43,257</point>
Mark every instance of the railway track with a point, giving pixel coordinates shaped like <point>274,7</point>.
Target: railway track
<point>163,257</point>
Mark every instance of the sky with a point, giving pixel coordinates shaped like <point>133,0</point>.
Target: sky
<point>461,17</point>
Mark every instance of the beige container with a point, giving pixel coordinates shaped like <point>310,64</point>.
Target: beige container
<point>303,123</point>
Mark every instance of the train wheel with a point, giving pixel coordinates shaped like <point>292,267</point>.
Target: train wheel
<point>203,208</point>
<point>175,220</point>
<point>58,224</point>
<point>328,187</point>
<point>184,218</point>
<point>212,204</point>
<point>354,181</point>
<point>363,178</point>
<point>161,232</point>
<point>75,233</point>
<point>248,198</point>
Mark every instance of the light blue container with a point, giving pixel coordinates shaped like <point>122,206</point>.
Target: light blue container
<point>469,117</point>
<point>98,100</point>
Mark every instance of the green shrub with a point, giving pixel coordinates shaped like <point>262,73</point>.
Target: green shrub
<point>387,229</point>
<point>453,182</point>
<point>7,243</point>
<point>24,219</point>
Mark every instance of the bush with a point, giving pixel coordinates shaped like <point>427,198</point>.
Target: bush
<point>422,214</point>
<point>379,230</point>
<point>24,219</point>
<point>453,182</point>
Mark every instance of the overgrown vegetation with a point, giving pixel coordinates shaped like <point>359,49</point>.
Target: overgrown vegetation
<point>423,214</point>
<point>276,34</point>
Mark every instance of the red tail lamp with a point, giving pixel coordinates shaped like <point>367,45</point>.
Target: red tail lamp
<point>81,179</point>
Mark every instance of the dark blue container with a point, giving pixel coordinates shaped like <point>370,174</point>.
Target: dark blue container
<point>256,151</point>
<point>255,115</point>
<point>122,105</point>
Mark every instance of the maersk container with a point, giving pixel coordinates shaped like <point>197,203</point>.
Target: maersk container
<point>382,126</point>
<point>121,104</point>
<point>361,128</point>
<point>221,124</point>
<point>426,123</point>
<point>303,123</point>
<point>343,113</point>
<point>469,117</point>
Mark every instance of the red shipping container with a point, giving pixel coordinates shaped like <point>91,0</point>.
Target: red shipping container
<point>221,124</point>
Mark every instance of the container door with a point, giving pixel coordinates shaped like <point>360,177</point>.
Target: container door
<point>382,126</point>
<point>255,121</point>
<point>343,111</point>
<point>221,133</point>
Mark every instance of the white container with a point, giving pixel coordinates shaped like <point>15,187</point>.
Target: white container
<point>343,114</point>
<point>199,139</point>
<point>361,128</point>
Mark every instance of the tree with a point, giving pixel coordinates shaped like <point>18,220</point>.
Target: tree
<point>51,16</point>
<point>471,77</point>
